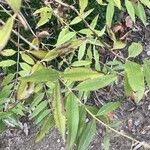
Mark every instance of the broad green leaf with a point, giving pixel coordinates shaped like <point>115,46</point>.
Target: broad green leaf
<point>15,5</point>
<point>7,63</point>
<point>27,59</point>
<point>45,15</point>
<point>79,18</point>
<point>65,38</point>
<point>8,52</point>
<point>97,83</point>
<point>5,32</point>
<point>118,3</point>
<point>72,116</point>
<point>83,4</point>
<point>58,111</point>
<point>107,108</point>
<point>81,63</point>
<point>87,136</point>
<point>46,126</point>
<point>141,13</point>
<point>135,49</point>
<point>147,71</point>
<point>42,75</point>
<point>146,3</point>
<point>135,78</point>
<point>80,74</point>
<point>130,9</point>
<point>81,51</point>
<point>110,13</point>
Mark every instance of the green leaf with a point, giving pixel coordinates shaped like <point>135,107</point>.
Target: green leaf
<point>135,49</point>
<point>118,45</point>
<point>79,18</point>
<point>127,88</point>
<point>130,9</point>
<point>27,59</point>
<point>46,126</point>
<point>146,3</point>
<point>81,51</point>
<point>106,142</point>
<point>7,63</point>
<point>87,136</point>
<point>118,3</point>
<point>38,53</point>
<point>8,52</point>
<point>141,13</point>
<point>2,126</point>
<point>107,108</point>
<point>83,4</point>
<point>72,114</point>
<point>135,78</point>
<point>110,13</point>
<point>15,5</point>
<point>147,71</point>
<point>37,100</point>
<point>42,75</point>
<point>80,74</point>
<point>7,79</point>
<point>45,15</point>
<point>58,111</point>
<point>5,32</point>
<point>95,84</point>
<point>81,63</point>
<point>94,22</point>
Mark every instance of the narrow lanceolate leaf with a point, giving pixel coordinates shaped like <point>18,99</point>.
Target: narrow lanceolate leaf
<point>59,117</point>
<point>5,32</point>
<point>135,78</point>
<point>118,3</point>
<point>81,63</point>
<point>135,49</point>
<point>72,114</point>
<point>87,136</point>
<point>141,13</point>
<point>147,71</point>
<point>80,74</point>
<point>79,18</point>
<point>7,63</point>
<point>15,4</point>
<point>83,4</point>
<point>97,83</point>
<point>107,108</point>
<point>130,9</point>
<point>109,13</point>
<point>42,75</point>
<point>146,3</point>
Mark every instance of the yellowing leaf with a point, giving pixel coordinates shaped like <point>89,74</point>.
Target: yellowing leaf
<point>107,108</point>
<point>59,117</point>
<point>5,32</point>
<point>87,136</point>
<point>7,63</point>
<point>80,74</point>
<point>15,5</point>
<point>83,4</point>
<point>72,114</point>
<point>97,83</point>
<point>39,53</point>
<point>27,59</point>
<point>135,49</point>
<point>135,78</point>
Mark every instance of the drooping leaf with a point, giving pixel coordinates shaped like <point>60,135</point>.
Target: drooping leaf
<point>80,74</point>
<point>5,32</point>
<point>107,108</point>
<point>110,13</point>
<point>130,9</point>
<point>135,49</point>
<point>15,5</point>
<point>7,63</point>
<point>42,75</point>
<point>83,4</point>
<point>135,78</point>
<point>79,19</point>
<point>97,83</point>
<point>87,136</point>
<point>58,111</point>
<point>72,116</point>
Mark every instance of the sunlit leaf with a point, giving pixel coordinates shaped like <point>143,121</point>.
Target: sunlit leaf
<point>7,63</point>
<point>8,52</point>
<point>27,59</point>
<point>83,4</point>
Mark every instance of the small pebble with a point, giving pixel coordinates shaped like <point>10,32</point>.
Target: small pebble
<point>148,53</point>
<point>58,141</point>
